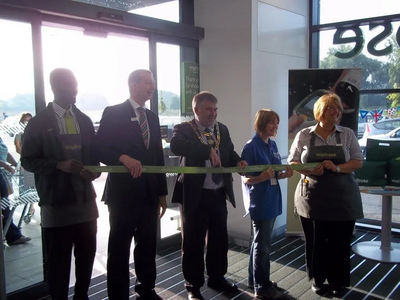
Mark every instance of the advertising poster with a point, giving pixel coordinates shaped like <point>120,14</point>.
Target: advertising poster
<point>189,86</point>
<point>305,88</point>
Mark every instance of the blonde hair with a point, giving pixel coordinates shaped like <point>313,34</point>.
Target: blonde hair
<point>323,102</point>
<point>263,117</point>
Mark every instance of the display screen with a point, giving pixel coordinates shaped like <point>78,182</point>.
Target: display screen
<point>306,106</point>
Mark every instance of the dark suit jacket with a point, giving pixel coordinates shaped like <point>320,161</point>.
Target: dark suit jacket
<point>194,153</point>
<point>42,149</point>
<point>119,133</point>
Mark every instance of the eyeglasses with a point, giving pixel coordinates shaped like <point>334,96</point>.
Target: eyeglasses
<point>333,108</point>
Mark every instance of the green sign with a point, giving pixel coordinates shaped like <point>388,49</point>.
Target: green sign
<point>189,86</point>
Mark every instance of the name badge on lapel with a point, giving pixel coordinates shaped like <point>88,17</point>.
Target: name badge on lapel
<point>134,119</point>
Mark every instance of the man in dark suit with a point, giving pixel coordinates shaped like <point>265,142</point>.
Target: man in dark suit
<point>57,145</point>
<point>204,142</point>
<point>129,135</point>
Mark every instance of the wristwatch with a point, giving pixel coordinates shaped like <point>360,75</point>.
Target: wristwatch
<point>337,169</point>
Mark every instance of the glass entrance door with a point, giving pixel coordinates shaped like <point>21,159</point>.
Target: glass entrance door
<point>168,84</point>
<point>102,66</point>
<point>23,262</point>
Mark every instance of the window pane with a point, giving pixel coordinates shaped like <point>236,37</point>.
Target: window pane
<point>168,11</point>
<point>168,85</point>
<point>344,10</point>
<point>160,9</point>
<point>383,107</point>
<point>379,72</point>
<point>102,69</point>
<point>367,127</point>
<point>23,263</point>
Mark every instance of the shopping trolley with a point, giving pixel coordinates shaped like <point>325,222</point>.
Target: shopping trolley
<point>22,195</point>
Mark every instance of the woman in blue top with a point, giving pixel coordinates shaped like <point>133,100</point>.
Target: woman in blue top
<point>262,196</point>
<point>13,235</point>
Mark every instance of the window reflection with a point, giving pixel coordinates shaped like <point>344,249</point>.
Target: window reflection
<point>379,72</point>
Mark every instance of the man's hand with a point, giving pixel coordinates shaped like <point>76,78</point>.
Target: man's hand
<point>70,166</point>
<point>162,206</point>
<point>214,157</point>
<point>134,166</point>
<point>89,175</point>
<point>242,164</point>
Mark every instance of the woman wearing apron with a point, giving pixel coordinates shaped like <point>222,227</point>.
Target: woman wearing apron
<point>327,197</point>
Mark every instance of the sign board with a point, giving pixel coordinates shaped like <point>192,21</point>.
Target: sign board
<point>164,131</point>
<point>189,86</point>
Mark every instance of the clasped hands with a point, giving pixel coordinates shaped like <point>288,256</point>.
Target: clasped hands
<point>75,166</point>
<point>326,164</point>
<point>270,173</point>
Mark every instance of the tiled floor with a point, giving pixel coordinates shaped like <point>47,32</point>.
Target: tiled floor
<point>369,280</point>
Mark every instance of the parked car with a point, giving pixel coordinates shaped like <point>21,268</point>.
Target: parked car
<point>362,122</point>
<point>382,127</point>
<point>393,135</point>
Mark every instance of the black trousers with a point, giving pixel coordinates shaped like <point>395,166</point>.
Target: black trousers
<point>328,250</point>
<point>207,223</point>
<point>139,222</point>
<point>58,244</point>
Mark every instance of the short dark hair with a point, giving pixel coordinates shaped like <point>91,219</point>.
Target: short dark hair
<point>136,76</point>
<point>263,117</point>
<point>199,98</point>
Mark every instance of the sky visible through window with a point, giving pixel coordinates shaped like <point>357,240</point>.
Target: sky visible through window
<point>59,47</point>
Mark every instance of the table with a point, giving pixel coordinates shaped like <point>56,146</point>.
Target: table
<point>385,250</point>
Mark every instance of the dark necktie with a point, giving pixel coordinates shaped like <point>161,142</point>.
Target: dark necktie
<point>216,177</point>
<point>143,126</point>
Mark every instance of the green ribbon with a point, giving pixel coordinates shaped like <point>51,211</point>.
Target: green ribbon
<point>200,170</point>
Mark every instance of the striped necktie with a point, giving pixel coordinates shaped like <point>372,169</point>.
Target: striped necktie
<point>143,126</point>
<point>69,123</point>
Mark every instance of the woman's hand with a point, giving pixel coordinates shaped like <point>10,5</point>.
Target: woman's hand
<point>10,169</point>
<point>329,165</point>
<point>287,174</point>
<point>267,174</point>
<point>319,170</point>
